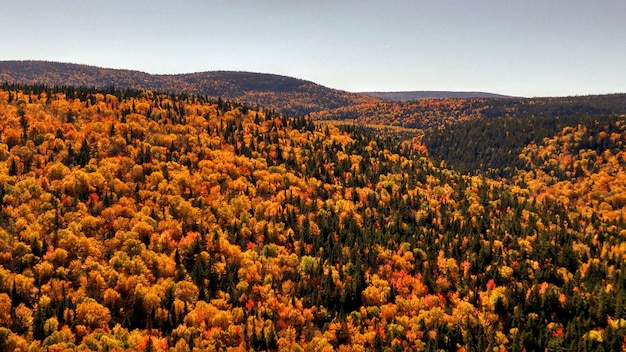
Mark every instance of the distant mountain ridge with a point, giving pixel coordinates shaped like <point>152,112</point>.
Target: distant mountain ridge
<point>292,96</point>
<point>427,94</point>
<point>432,113</point>
<point>296,97</point>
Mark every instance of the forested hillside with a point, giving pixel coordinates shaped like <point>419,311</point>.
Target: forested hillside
<point>432,113</point>
<point>493,146</point>
<point>286,95</point>
<point>136,220</point>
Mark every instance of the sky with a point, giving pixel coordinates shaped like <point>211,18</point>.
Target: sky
<point>522,48</point>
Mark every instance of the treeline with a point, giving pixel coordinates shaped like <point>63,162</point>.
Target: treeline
<point>606,104</point>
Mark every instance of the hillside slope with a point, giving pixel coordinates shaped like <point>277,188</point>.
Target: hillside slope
<point>139,221</point>
<point>432,113</point>
<point>493,146</point>
<point>287,95</point>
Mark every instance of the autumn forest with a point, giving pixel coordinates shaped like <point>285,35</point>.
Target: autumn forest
<point>133,219</point>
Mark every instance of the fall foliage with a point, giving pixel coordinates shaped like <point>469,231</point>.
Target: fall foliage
<point>445,112</point>
<point>286,95</point>
<point>138,220</point>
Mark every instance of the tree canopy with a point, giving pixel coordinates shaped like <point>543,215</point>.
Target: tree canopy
<point>140,220</point>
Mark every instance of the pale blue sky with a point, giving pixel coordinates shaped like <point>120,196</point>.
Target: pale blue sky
<point>525,48</point>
